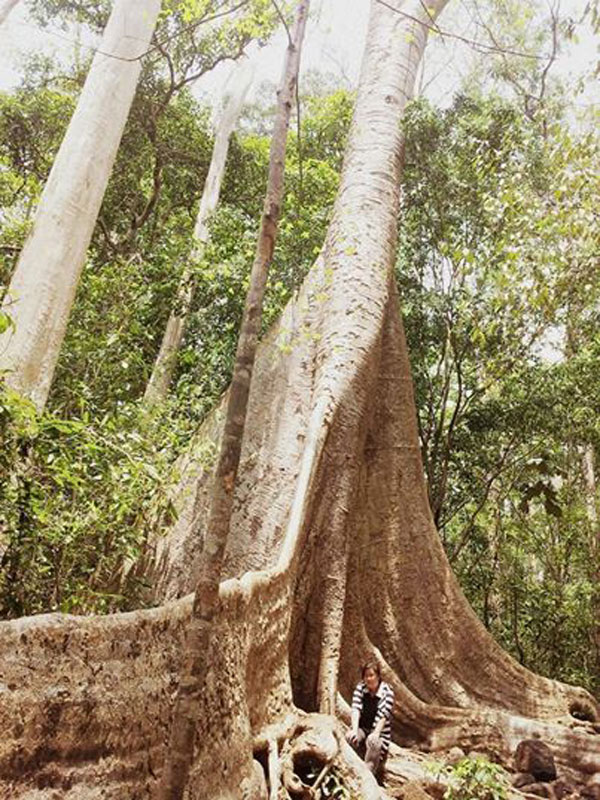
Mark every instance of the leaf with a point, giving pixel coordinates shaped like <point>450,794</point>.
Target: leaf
<point>6,322</point>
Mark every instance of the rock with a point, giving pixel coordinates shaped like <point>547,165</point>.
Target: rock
<point>563,788</point>
<point>455,754</point>
<point>539,789</point>
<point>591,791</point>
<point>435,789</point>
<point>535,757</point>
<point>594,779</point>
<point>413,790</point>
<point>522,779</point>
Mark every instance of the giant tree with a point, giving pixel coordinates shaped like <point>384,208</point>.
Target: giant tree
<point>332,556</point>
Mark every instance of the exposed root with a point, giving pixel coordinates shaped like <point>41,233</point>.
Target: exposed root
<point>312,753</point>
<point>274,770</point>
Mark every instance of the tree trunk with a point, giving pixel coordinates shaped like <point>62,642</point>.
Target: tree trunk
<point>5,8</point>
<point>206,600</point>
<point>43,286</point>
<point>162,373</point>
<point>332,555</point>
<point>591,501</point>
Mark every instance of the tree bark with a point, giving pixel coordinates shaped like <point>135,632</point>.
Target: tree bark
<point>5,8</point>
<point>43,286</point>
<point>202,630</point>
<point>162,373</point>
<point>591,502</point>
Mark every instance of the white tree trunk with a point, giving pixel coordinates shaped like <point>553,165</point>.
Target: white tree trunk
<point>158,385</point>
<point>5,8</point>
<point>43,287</point>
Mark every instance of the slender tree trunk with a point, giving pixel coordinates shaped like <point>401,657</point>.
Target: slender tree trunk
<point>206,599</point>
<point>585,454</point>
<point>162,373</point>
<point>43,286</point>
<point>5,8</point>
<point>591,501</point>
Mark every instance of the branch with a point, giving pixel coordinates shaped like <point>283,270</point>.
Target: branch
<point>500,467</point>
<point>155,48</point>
<point>480,46</point>
<point>436,27</point>
<point>102,225</point>
<point>209,67</point>
<point>165,53</point>
<point>553,54</point>
<point>285,25</point>
<point>139,220</point>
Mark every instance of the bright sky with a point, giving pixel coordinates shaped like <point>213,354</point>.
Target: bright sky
<point>333,44</point>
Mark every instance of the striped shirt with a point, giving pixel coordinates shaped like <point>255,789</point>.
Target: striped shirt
<point>372,707</point>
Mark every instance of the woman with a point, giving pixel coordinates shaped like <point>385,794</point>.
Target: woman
<point>372,702</point>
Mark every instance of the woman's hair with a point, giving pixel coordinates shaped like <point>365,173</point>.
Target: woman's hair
<point>371,665</point>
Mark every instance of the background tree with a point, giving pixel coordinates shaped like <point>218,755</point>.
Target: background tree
<point>160,379</point>
<point>40,297</point>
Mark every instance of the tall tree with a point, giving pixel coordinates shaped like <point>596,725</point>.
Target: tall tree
<point>43,286</point>
<point>202,626</point>
<point>591,501</point>
<point>5,8</point>
<point>160,379</point>
<point>335,555</point>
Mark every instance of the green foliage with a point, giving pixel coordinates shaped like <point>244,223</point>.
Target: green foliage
<point>78,501</point>
<point>496,260</point>
<point>5,322</point>
<point>476,779</point>
<point>93,13</point>
<point>221,277</point>
<point>31,128</point>
<point>335,788</point>
<point>326,125</point>
<point>134,266</point>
